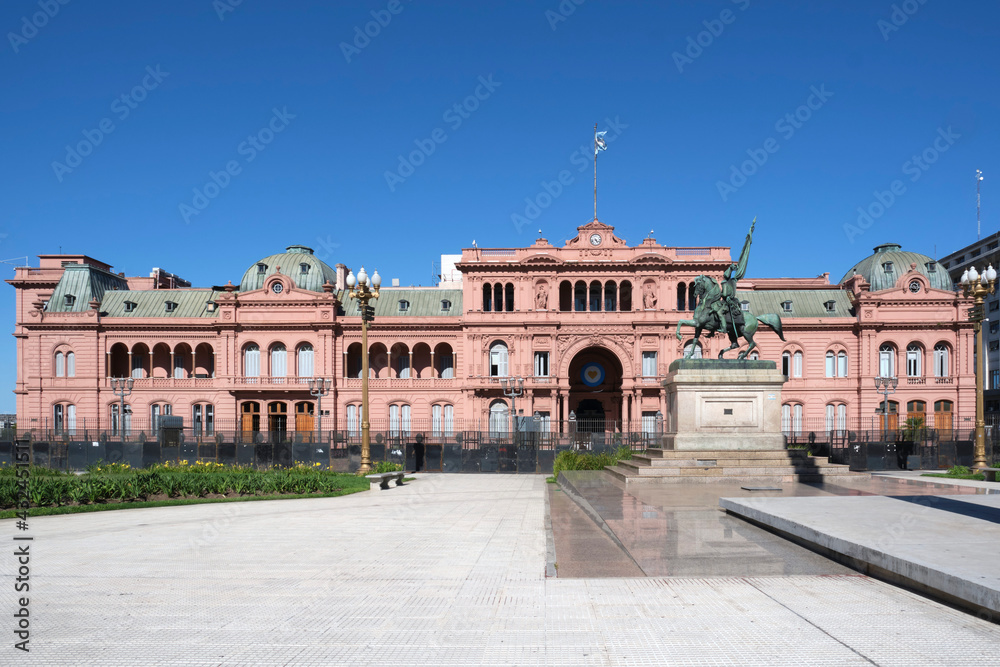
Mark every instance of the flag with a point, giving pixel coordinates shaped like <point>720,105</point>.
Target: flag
<point>599,143</point>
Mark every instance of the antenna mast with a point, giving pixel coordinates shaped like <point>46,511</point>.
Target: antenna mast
<point>979,227</point>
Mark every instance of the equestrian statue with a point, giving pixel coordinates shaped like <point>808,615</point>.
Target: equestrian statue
<point>719,310</point>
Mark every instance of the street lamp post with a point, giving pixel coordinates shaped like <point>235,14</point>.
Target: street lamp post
<point>318,388</point>
<point>122,388</point>
<point>512,389</point>
<point>359,290</point>
<point>979,287</point>
<point>885,386</point>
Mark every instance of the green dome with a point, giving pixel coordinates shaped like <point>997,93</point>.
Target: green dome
<point>883,269</point>
<point>297,262</point>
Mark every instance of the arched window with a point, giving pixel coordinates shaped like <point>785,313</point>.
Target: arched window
<point>117,427</point>
<point>842,364</point>
<point>352,419</point>
<point>942,418</point>
<point>797,419</point>
<point>836,417</point>
<point>498,419</point>
<point>279,361</point>
<point>892,422</point>
<point>941,362</point>
<point>692,298</point>
<point>786,419</point>
<point>445,361</point>
<point>70,365</point>
<point>887,360</point>
<point>443,426</point>
<point>791,419</point>
<point>914,360</point>
<point>60,365</point>
<point>753,355</point>
<point>436,421</point>
<point>509,298</point>
<point>580,296</point>
<point>786,363</point>
<point>831,365</point>
<point>498,298</point>
<point>681,296</point>
<point>64,418</point>
<point>841,417</point>
<point>565,296</point>
<point>487,297</point>
<point>610,296</point>
<point>797,364</point>
<point>304,361</point>
<point>917,410</point>
<point>157,410</point>
<point>498,360</point>
<point>696,354</point>
<point>203,418</point>
<point>595,296</point>
<point>251,361</point>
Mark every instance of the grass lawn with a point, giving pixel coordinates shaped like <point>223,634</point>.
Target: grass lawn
<point>959,472</point>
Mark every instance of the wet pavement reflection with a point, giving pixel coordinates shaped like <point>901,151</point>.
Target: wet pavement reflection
<point>680,530</point>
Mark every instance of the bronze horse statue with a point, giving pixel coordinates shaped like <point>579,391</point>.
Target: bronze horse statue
<point>718,312</point>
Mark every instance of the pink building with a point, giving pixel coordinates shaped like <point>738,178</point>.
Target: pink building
<point>589,324</point>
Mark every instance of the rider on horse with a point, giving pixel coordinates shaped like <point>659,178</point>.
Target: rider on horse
<point>725,299</point>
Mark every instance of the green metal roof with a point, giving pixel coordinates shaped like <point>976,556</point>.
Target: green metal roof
<point>422,302</point>
<point>152,303</point>
<point>84,283</point>
<point>805,303</point>
<point>873,268</point>
<point>291,262</point>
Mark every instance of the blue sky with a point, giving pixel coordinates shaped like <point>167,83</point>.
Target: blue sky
<point>833,100</point>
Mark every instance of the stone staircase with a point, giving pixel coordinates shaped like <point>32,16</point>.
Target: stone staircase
<point>772,467</point>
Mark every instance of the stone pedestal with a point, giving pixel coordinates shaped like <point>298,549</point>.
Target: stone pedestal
<point>723,405</point>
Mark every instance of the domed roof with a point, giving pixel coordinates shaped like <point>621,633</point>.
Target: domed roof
<point>297,262</point>
<point>883,269</point>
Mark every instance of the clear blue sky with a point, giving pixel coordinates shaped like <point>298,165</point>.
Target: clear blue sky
<point>683,122</point>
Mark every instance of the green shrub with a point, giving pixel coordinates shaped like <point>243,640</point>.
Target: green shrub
<point>574,460</point>
<point>959,470</point>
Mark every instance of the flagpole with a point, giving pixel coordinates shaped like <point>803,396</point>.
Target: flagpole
<point>595,171</point>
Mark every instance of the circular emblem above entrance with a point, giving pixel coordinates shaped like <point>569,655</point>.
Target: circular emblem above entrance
<point>592,374</point>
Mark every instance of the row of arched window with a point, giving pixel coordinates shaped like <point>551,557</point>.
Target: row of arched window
<point>498,297</point>
<point>792,422</point>
<point>162,361</point>
<point>914,360</point>
<point>278,361</point>
<point>65,364</point>
<point>399,414</point>
<point>398,361</point>
<point>581,297</point>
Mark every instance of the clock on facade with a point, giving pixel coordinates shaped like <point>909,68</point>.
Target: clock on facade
<point>914,286</point>
<point>595,239</point>
<point>277,287</point>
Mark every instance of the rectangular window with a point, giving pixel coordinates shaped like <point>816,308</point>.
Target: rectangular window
<point>209,419</point>
<point>841,417</point>
<point>648,423</point>
<point>196,419</point>
<point>447,366</point>
<point>60,364</point>
<point>544,422</point>
<point>797,420</point>
<point>994,327</point>
<point>994,305</point>
<point>70,365</point>
<point>406,419</point>
<point>541,364</point>
<point>449,420</point>
<point>797,364</point>
<point>649,364</point>
<point>831,365</point>
<point>830,417</point>
<point>352,420</point>
<point>994,345</point>
<point>842,364</point>
<point>436,420</point>
<point>995,379</point>
<point>394,420</point>
<point>71,419</point>
<point>57,418</point>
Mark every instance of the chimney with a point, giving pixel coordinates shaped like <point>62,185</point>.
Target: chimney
<point>341,276</point>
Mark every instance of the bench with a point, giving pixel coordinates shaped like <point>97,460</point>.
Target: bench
<point>989,474</point>
<point>381,480</point>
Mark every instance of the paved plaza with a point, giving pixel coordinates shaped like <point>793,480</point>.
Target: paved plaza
<point>447,570</point>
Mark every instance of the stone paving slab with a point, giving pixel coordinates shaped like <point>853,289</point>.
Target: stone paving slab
<point>946,545</point>
<point>448,570</point>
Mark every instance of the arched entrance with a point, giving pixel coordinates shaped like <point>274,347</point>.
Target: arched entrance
<point>595,390</point>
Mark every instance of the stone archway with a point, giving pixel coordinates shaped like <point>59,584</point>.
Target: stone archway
<point>595,389</point>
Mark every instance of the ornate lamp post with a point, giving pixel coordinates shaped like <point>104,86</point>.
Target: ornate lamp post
<point>978,287</point>
<point>360,291</point>
<point>318,388</point>
<point>885,386</point>
<point>122,388</point>
<point>512,389</point>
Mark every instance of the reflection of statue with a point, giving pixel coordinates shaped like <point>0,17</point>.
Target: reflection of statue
<point>541,298</point>
<point>648,298</point>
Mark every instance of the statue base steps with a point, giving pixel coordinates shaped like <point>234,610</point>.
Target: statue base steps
<point>727,465</point>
